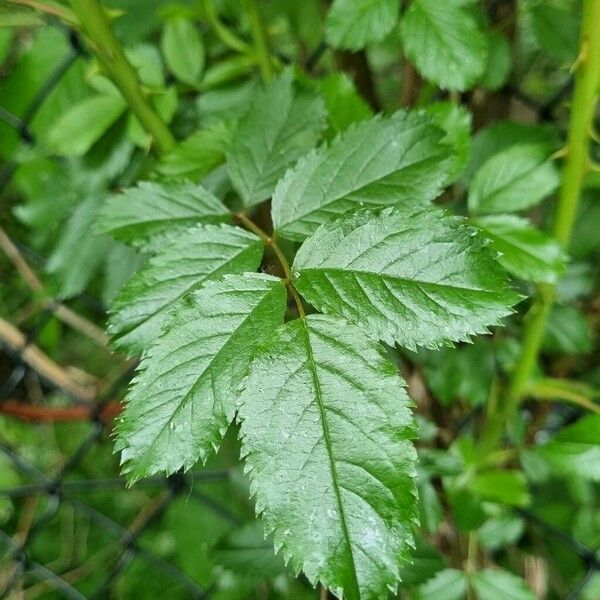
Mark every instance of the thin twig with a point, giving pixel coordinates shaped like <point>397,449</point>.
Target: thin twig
<point>52,372</point>
<point>62,312</point>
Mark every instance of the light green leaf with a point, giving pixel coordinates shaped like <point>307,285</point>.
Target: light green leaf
<point>187,260</point>
<point>445,42</point>
<point>77,129</point>
<point>449,584</point>
<point>425,562</point>
<point>149,209</point>
<point>78,256</point>
<point>494,584</point>
<point>352,24</point>
<point>498,63</point>
<point>513,180</point>
<point>416,279</point>
<point>450,374</point>
<point>568,331</point>
<point>244,551</point>
<point>456,121</point>
<point>556,29</point>
<point>505,487</point>
<point>523,250</point>
<point>344,104</point>
<point>382,162</point>
<point>281,125</point>
<point>183,50</point>
<point>326,429</point>
<point>575,450</point>
<point>183,397</point>
<point>197,155</point>
<point>503,135</point>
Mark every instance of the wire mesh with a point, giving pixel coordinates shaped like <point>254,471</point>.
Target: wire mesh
<point>58,488</point>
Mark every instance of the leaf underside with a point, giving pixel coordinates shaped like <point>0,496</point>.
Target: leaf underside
<point>183,397</point>
<point>191,258</point>
<point>416,279</point>
<point>326,429</point>
<point>382,162</point>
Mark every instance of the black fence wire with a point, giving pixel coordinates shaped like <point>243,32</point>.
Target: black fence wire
<point>59,488</point>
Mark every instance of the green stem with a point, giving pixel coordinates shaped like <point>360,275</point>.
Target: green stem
<point>587,80</point>
<point>113,61</point>
<point>263,56</point>
<point>269,241</point>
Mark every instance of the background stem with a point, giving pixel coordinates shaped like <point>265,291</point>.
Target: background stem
<point>587,80</point>
<point>112,59</point>
<point>259,36</point>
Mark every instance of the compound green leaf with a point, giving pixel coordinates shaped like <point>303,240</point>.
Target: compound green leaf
<point>445,42</point>
<point>382,162</point>
<point>281,125</point>
<point>326,429</point>
<point>449,584</point>
<point>522,249</point>
<point>185,261</point>
<point>150,209</point>
<point>183,50</point>
<point>495,584</point>
<point>183,397</point>
<point>575,450</point>
<point>513,180</point>
<point>416,279</point>
<point>352,24</point>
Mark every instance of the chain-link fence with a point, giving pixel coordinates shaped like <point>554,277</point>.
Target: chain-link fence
<point>46,493</point>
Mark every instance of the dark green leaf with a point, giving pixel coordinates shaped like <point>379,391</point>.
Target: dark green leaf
<point>426,561</point>
<point>383,161</point>
<point>183,397</point>
<point>281,125</point>
<point>149,209</point>
<point>187,260</point>
<point>326,429</point>
<point>410,278</point>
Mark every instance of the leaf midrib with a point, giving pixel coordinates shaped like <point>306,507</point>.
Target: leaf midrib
<point>404,280</point>
<point>329,449</point>
<point>208,367</point>
<point>200,280</point>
